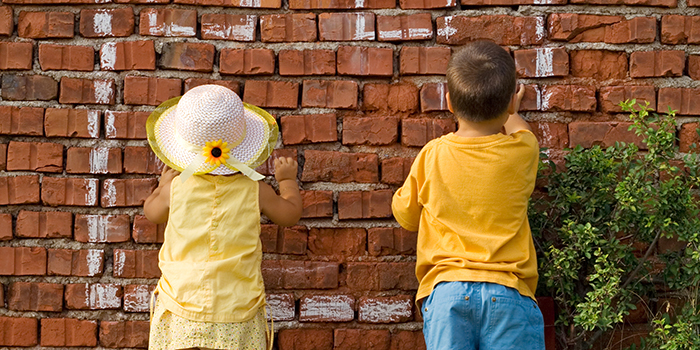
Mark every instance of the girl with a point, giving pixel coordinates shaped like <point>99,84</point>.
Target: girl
<point>211,293</point>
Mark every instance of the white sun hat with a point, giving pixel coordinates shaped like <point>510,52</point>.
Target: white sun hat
<point>209,130</point>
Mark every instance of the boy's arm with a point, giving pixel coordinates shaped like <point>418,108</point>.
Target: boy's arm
<point>404,204</point>
<point>157,205</point>
<point>285,209</point>
<point>515,122</point>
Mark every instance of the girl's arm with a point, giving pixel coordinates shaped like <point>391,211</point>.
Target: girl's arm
<point>157,205</point>
<point>285,209</point>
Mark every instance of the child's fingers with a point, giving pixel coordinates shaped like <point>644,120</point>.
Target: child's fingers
<point>521,91</point>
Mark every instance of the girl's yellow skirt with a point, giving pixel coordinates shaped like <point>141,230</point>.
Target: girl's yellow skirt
<point>169,332</point>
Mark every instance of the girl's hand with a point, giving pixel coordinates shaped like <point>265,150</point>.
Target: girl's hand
<point>167,175</point>
<point>285,169</point>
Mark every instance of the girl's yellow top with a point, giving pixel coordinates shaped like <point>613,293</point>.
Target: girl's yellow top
<point>211,257</point>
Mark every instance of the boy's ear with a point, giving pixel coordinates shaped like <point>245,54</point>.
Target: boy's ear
<point>449,104</point>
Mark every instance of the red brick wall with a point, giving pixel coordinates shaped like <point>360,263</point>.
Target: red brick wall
<point>357,87</point>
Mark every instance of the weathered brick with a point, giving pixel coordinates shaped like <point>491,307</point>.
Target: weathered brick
<point>577,28</point>
<point>605,134</point>
<point>433,97</point>
<point>417,132</point>
<point>337,242</point>
<point>340,167</point>
<point>611,96</point>
<point>21,121</point>
<point>150,90</point>
<point>280,307</point>
<point>194,82</point>
<point>5,232</point>
<point>638,30</point>
<point>426,4</point>
<point>137,297</point>
<point>317,204</point>
<point>414,340</point>
<point>346,26</point>
<point>364,204</point>
<point>125,125</point>
<point>685,101</point>
<point>68,262</point>
<point>284,240</point>
<point>305,339</point>
<point>661,3</point>
<point>677,29</point>
<point>16,55</point>
<point>168,22</point>
<point>666,63</point>
<point>402,97</point>
<point>271,4</point>
<point>599,64</point>
<point>32,296</point>
<point>307,62</point>
<point>35,156</point>
<point>198,57</point>
<point>341,4</point>
<point>395,170</point>
<point>541,63</point>
<point>128,55</point>
<point>124,334</point>
<point>405,27</point>
<point>88,160</point>
<point>296,274</point>
<point>45,224</point>
<point>43,25</point>
<point>391,241</point>
<point>247,61</point>
<point>107,23</point>
<point>23,261</point>
<point>394,309</point>
<point>126,192</point>
<point>568,98</point>
<point>381,276</point>
<point>365,61</point>
<point>370,131</point>
<point>66,57</point>
<point>275,94</point>
<point>19,331</point>
<point>329,94</point>
<point>220,26</point>
<point>424,60</point>
<point>136,264</point>
<point>69,191</point>
<point>502,29</point>
<point>98,296</point>
<point>141,160</point>
<point>288,27</point>
<point>28,87</point>
<point>694,67</point>
<point>551,135</point>
<point>67,332</point>
<point>19,190</point>
<point>310,128</point>
<point>6,21</point>
<point>68,122</point>
<point>361,339</point>
<point>688,136</point>
<point>87,91</point>
<point>145,231</point>
<point>327,308</point>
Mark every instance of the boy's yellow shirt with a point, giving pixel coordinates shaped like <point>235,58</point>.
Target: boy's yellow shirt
<point>468,198</point>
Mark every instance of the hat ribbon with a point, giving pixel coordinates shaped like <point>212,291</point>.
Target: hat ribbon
<point>199,159</point>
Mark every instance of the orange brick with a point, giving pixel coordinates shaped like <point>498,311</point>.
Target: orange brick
<point>68,122</point>
<point>128,55</point>
<point>150,90</point>
<point>66,57</point>
<point>87,91</point>
<point>35,156</point>
<point>16,55</point>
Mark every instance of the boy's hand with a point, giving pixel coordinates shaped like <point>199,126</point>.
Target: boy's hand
<point>519,97</point>
<point>285,169</point>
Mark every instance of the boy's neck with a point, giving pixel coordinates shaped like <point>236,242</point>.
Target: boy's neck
<point>478,129</point>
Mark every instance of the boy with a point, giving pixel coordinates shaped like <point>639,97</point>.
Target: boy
<point>467,195</point>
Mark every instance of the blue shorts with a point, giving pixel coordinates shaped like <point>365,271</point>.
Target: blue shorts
<point>477,315</point>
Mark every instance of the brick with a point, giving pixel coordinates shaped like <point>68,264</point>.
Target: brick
<point>220,26</point>
<point>599,64</point>
<point>395,170</point>
<point>502,29</point>
<point>568,98</point>
<point>511,2</point>
<point>16,55</point>
<point>329,94</point>
<point>194,82</point>
<point>275,94</point>
<point>267,168</point>
<point>43,25</point>
<point>87,91</point>
<point>383,241</point>
<point>611,96</point>
<point>126,192</point>
<point>361,339</point>
<point>280,307</point>
<point>21,121</point>
<point>401,97</point>
<point>317,204</point>
<point>346,26</point>
<point>28,88</point>
<point>145,231</point>
<point>128,55</point>
<point>19,190</point>
<point>676,29</point>
<point>272,4</point>
<point>541,63</point>
<point>605,134</point>
<point>433,97</point>
<point>290,240</point>
<point>310,128</point>
<point>68,262</point>
<point>136,264</point>
<point>426,4</point>
<point>305,339</point>
<point>66,57</point>
<point>31,296</point>
<point>5,232</point>
<point>88,160</point>
<point>288,27</point>
<point>90,228</point>
<point>269,237</point>
<point>98,296</point>
<point>424,60</point>
<point>638,30</point>
<point>381,276</point>
<point>660,3</point>
<point>694,67</point>
<point>370,131</point>
<point>69,122</point>
<point>150,91</point>
<point>685,101</point>
<point>18,331</point>
<point>168,22</point>
<point>326,308</point>
<point>107,23</point>
<point>340,167</point>
<point>341,4</point>
<point>62,332</point>
<point>35,156</point>
<point>247,61</point>
<point>666,63</point>
<point>307,62</point>
<point>295,274</point>
<point>197,57</point>
<point>142,1</point>
<point>69,191</point>
<point>137,297</point>
<point>337,242</point>
<point>688,136</point>
<point>45,224</point>
<point>22,261</point>
<point>551,135</point>
<point>141,160</point>
<point>124,334</point>
<point>365,61</point>
<point>364,204</point>
<point>6,21</point>
<point>403,340</point>
<point>405,27</point>
<point>578,28</point>
<point>417,132</point>
<point>394,309</point>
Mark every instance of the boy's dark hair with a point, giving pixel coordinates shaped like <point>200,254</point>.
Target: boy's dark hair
<point>481,81</point>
